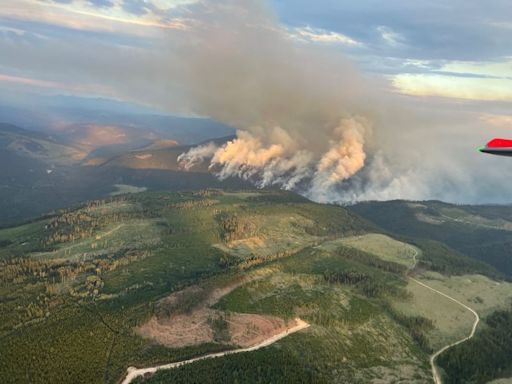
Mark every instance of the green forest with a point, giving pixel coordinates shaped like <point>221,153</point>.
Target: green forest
<point>76,284</point>
<point>485,357</point>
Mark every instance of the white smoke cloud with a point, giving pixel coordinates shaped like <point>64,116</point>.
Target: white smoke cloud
<point>283,164</point>
<point>345,157</point>
<point>297,107</point>
<point>307,120</point>
<point>197,155</point>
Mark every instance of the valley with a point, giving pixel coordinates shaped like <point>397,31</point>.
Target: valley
<point>47,170</point>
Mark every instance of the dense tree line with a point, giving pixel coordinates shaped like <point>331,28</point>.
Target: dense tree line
<point>261,366</point>
<point>192,204</point>
<point>183,301</point>
<point>486,356</point>
<point>233,227</point>
<point>370,285</point>
<point>227,260</point>
<point>71,225</point>
<point>345,277</point>
<point>208,192</point>
<point>440,258</point>
<point>57,278</point>
<point>416,326</point>
<point>21,269</point>
<point>370,260</point>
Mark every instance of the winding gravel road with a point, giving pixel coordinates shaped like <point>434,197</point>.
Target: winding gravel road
<point>435,372</point>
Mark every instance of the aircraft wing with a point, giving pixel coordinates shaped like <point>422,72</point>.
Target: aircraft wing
<point>500,147</point>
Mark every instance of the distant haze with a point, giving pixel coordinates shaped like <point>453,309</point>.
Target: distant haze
<point>366,103</point>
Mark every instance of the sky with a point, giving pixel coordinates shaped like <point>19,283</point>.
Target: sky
<point>458,49</point>
<point>450,62</point>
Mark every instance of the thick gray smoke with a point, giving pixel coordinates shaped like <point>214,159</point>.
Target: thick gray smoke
<point>308,121</point>
<point>297,107</point>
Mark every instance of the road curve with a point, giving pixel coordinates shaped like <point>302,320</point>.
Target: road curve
<point>435,372</point>
<point>133,372</point>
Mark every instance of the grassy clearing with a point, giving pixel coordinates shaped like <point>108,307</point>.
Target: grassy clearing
<point>379,245</point>
<point>476,291</point>
<point>451,321</point>
<point>17,241</point>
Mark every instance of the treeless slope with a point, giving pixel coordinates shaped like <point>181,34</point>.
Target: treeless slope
<point>133,373</point>
<point>187,320</point>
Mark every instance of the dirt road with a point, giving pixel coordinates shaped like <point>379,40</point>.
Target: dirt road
<point>435,372</point>
<point>134,372</point>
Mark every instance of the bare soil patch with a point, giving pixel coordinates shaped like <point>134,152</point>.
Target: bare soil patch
<point>248,329</point>
<point>187,320</point>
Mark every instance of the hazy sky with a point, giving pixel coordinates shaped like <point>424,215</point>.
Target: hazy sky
<point>455,48</point>
<point>449,61</point>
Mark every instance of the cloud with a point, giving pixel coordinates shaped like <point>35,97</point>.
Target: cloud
<point>317,35</point>
<point>137,7</point>
<point>101,3</point>
<point>88,88</point>
<point>495,69</point>
<point>478,32</point>
<point>32,82</point>
<point>96,15</point>
<point>470,88</point>
<point>500,121</point>
<point>391,37</point>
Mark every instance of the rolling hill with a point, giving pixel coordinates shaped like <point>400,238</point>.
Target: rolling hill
<point>42,172</point>
<point>153,278</point>
<point>160,155</point>
<point>37,146</point>
<point>482,232</point>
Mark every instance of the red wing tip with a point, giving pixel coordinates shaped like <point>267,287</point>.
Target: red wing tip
<point>499,143</point>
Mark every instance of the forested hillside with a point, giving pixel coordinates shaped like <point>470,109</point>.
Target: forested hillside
<point>152,278</point>
<point>486,357</point>
<point>481,232</point>
<point>75,283</point>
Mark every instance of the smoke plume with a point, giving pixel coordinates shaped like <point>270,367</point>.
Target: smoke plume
<point>306,119</point>
<point>298,108</point>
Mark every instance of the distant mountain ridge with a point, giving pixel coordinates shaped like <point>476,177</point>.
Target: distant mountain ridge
<point>483,232</point>
<point>43,171</point>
